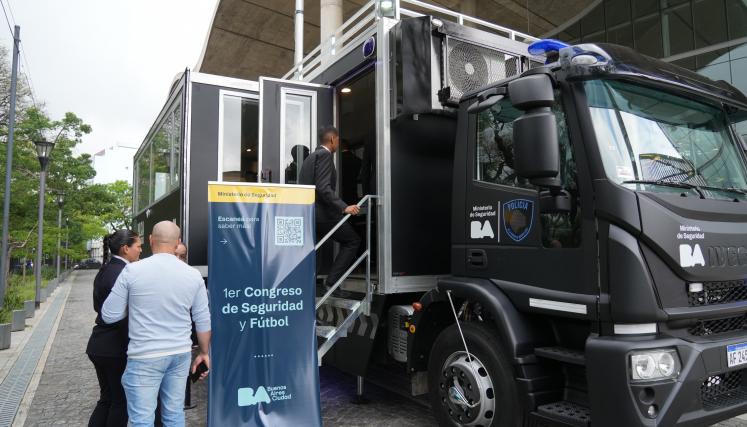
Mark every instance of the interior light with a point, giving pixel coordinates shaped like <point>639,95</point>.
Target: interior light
<point>387,4</point>
<point>346,90</point>
<point>248,150</point>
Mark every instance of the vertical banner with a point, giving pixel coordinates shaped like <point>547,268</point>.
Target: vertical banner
<point>261,268</point>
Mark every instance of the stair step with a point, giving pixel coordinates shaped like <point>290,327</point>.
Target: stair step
<point>325,332</point>
<point>566,412</point>
<point>561,354</point>
<point>345,303</point>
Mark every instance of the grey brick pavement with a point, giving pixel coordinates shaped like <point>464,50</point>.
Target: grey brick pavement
<point>68,389</point>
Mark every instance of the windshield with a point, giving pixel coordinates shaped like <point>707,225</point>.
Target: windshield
<point>656,141</point>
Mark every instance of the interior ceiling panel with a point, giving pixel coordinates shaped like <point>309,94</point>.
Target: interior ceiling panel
<point>252,38</point>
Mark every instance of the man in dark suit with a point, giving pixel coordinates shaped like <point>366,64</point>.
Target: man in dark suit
<point>319,170</point>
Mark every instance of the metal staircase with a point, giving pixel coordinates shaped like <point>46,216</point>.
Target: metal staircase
<point>353,308</point>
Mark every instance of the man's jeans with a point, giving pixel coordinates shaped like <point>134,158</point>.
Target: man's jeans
<point>142,381</point>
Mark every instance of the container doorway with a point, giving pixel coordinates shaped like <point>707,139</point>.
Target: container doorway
<point>356,158</point>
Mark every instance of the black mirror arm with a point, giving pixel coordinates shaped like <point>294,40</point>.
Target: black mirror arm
<point>489,93</point>
<point>484,105</point>
<point>487,99</point>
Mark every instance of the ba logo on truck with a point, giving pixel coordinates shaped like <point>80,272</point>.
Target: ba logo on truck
<point>518,215</point>
<point>690,256</point>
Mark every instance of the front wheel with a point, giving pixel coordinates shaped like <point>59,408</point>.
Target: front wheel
<point>475,391</point>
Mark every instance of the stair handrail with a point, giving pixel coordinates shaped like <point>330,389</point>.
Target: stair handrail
<point>366,303</point>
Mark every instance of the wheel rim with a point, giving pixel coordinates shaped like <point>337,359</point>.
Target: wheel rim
<point>466,390</point>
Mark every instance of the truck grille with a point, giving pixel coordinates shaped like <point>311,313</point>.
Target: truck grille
<point>718,326</point>
<point>719,293</point>
<point>723,390</point>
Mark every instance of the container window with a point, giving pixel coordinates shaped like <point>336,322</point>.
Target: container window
<point>239,147</point>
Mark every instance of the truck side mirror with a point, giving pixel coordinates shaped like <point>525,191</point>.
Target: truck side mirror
<point>536,150</point>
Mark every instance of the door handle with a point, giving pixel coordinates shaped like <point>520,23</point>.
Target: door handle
<point>477,258</point>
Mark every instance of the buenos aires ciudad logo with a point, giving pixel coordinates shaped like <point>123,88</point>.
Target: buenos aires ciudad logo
<point>247,396</point>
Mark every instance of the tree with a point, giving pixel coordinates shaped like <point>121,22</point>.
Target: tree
<point>90,208</point>
<point>23,93</point>
<point>66,173</point>
<point>111,203</point>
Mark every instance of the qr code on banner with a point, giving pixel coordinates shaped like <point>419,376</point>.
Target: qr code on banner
<point>289,231</point>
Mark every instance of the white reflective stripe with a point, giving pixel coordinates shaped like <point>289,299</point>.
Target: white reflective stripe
<point>635,328</point>
<point>557,305</point>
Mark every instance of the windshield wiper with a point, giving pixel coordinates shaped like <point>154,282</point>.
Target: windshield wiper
<point>668,184</point>
<point>727,189</point>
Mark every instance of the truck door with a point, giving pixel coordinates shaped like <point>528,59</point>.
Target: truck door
<point>509,237</point>
<point>290,112</point>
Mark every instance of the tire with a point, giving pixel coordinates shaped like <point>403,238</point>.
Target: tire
<point>483,393</point>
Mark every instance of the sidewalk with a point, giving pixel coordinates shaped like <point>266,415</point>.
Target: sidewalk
<point>68,390</point>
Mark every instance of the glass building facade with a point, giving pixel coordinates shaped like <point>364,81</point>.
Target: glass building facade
<point>706,36</point>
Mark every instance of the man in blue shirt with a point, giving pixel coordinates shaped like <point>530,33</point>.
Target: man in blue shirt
<point>159,293</point>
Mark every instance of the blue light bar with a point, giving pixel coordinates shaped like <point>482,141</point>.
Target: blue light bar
<point>541,47</point>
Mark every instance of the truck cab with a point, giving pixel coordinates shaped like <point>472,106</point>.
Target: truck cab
<point>599,249</point>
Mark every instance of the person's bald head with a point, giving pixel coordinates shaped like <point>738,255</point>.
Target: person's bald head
<point>181,252</point>
<point>165,237</point>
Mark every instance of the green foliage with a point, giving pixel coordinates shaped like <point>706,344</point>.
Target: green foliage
<point>20,289</point>
<point>88,210</point>
<point>111,203</point>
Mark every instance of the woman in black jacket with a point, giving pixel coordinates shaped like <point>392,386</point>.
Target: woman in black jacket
<point>107,347</point>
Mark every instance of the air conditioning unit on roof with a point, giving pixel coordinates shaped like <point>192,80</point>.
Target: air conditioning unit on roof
<point>434,65</point>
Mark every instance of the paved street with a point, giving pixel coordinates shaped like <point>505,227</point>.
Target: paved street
<point>67,390</point>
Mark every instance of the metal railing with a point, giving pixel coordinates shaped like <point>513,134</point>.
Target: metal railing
<point>348,33</point>
<point>462,19</point>
<point>366,255</point>
<point>356,27</point>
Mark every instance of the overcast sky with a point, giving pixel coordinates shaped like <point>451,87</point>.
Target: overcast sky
<point>110,62</point>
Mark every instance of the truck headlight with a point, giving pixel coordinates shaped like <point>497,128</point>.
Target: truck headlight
<point>653,365</point>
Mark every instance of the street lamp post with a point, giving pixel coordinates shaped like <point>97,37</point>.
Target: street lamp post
<point>43,148</point>
<point>9,165</point>
<point>60,202</point>
<point>67,238</point>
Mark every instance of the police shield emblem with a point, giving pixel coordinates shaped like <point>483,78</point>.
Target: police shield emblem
<point>518,215</point>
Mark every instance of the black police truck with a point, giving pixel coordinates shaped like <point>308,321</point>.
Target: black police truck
<point>552,236</point>
<point>598,249</point>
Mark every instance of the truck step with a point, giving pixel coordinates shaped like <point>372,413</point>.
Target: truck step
<point>325,332</point>
<point>330,334</point>
<point>562,413</point>
<point>561,354</point>
<point>344,303</point>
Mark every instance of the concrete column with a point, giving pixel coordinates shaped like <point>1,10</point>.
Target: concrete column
<point>298,38</point>
<point>330,20</point>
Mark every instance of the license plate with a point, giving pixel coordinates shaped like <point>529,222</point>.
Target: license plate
<point>736,354</point>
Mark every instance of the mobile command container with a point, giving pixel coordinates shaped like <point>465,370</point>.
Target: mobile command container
<point>557,244</point>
